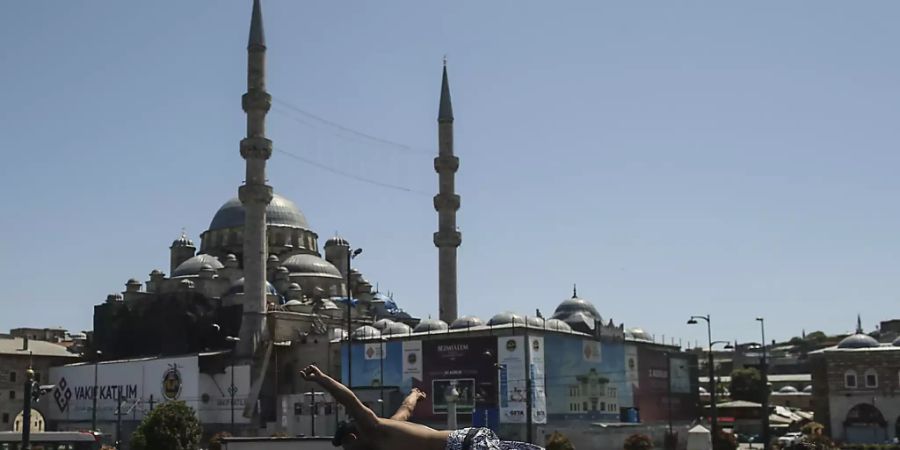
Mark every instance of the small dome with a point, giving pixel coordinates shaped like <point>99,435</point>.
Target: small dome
<point>337,240</point>
<point>279,212</point>
<point>466,322</point>
<point>193,265</point>
<point>230,257</point>
<point>382,324</point>
<point>132,281</point>
<point>557,325</point>
<point>155,272</point>
<point>182,241</point>
<point>535,322</point>
<point>788,390</point>
<point>293,303</point>
<point>506,318</point>
<point>311,265</point>
<point>366,332</point>
<point>238,288</point>
<point>640,334</point>
<point>808,388</point>
<point>186,284</point>
<point>396,328</point>
<point>273,259</point>
<point>326,305</point>
<point>858,341</point>
<point>581,321</point>
<point>431,326</point>
<point>702,390</point>
<point>575,305</point>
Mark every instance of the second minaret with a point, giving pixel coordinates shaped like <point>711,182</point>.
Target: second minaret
<point>446,203</point>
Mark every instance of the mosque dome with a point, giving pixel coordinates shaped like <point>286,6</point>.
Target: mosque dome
<point>788,390</point>
<point>808,388</point>
<point>336,241</point>
<point>702,390</point>
<point>557,325</point>
<point>640,334</point>
<point>193,265</point>
<point>279,212</point>
<point>581,321</point>
<point>311,265</point>
<point>575,305</point>
<point>381,324</point>
<point>858,340</point>
<point>506,318</point>
<point>366,332</point>
<point>535,322</point>
<point>466,322</point>
<point>238,288</point>
<point>431,326</point>
<point>396,328</point>
<point>182,241</point>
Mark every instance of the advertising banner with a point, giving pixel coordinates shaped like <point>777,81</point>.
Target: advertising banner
<point>587,379</point>
<point>371,367</point>
<point>538,396</point>
<point>139,384</point>
<point>466,364</point>
<point>511,357</point>
<point>412,365</point>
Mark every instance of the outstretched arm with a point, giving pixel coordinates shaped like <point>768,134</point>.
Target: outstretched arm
<point>365,418</point>
<point>409,405</point>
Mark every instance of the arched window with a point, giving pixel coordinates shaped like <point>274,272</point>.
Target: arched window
<point>871,378</point>
<point>850,379</point>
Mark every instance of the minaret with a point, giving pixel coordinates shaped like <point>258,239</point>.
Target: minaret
<point>255,194</point>
<point>446,203</point>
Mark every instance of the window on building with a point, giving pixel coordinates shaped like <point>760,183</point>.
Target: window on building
<point>850,379</point>
<point>871,378</point>
<point>12,376</point>
<point>5,418</point>
<point>584,406</point>
<point>12,395</point>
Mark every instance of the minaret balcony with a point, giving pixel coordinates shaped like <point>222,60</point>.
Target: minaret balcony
<point>447,239</point>
<point>446,202</point>
<point>446,163</point>
<point>256,100</point>
<point>255,193</point>
<point>256,147</point>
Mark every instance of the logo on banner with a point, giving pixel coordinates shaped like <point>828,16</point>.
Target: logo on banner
<point>411,358</point>
<point>171,383</point>
<point>62,394</point>
<point>370,353</point>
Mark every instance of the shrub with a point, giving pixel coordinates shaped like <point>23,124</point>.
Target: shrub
<point>558,441</point>
<point>638,442</point>
<point>171,426</point>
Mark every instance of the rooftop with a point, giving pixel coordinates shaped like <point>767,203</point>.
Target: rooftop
<point>14,346</point>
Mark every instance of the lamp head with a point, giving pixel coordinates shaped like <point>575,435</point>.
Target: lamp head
<point>692,321</point>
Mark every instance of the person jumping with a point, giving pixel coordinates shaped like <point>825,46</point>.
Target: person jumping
<point>367,431</point>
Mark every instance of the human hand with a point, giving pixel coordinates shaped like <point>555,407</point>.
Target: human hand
<point>418,393</point>
<point>312,373</point>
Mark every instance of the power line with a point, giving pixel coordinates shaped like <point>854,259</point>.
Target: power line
<point>347,129</point>
<point>350,175</point>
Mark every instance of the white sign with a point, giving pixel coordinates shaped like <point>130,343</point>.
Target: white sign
<point>374,351</point>
<point>412,364</point>
<point>538,394</point>
<point>511,357</point>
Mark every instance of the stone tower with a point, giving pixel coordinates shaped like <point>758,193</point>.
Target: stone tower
<point>181,250</point>
<point>255,194</point>
<point>446,203</point>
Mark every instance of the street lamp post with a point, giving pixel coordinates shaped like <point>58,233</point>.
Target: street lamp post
<point>350,255</point>
<point>764,370</point>
<point>381,377</point>
<point>97,354</point>
<point>26,410</point>
<point>713,413</point>
<point>232,389</point>
<point>451,395</point>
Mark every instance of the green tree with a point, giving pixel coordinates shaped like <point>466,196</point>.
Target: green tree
<point>558,441</point>
<point>638,442</point>
<point>747,384</point>
<point>170,426</point>
<point>816,336</point>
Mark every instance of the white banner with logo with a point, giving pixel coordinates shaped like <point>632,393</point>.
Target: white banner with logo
<point>511,357</point>
<point>538,393</point>
<point>412,364</point>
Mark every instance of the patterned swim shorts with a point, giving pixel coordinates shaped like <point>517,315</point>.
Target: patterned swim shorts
<point>483,439</point>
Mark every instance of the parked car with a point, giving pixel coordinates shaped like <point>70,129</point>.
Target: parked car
<point>789,439</point>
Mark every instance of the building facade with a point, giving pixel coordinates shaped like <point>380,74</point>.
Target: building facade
<point>17,355</point>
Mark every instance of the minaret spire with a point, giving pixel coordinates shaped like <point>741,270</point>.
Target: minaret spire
<point>255,194</point>
<point>446,203</point>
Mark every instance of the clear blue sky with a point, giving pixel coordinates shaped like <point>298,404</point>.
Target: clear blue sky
<point>672,158</point>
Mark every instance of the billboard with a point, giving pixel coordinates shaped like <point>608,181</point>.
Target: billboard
<point>664,385</point>
<point>141,385</point>
<point>511,357</point>
<point>538,395</point>
<point>587,378</point>
<point>467,364</point>
<point>375,364</point>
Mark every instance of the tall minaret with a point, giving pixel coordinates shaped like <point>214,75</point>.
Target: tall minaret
<point>255,194</point>
<point>446,203</point>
